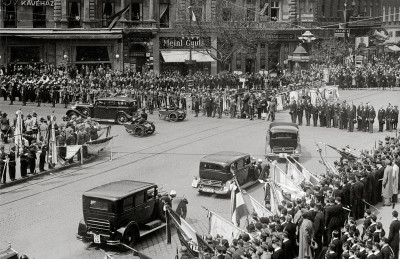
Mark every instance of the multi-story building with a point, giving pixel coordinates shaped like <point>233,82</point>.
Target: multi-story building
<point>391,20</point>
<point>152,35</point>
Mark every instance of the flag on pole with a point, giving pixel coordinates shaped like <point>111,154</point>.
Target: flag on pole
<point>194,19</point>
<point>116,17</point>
<point>238,206</point>
<point>203,247</point>
<point>220,226</point>
<point>259,208</point>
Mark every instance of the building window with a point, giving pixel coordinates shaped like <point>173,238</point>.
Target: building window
<point>39,16</point>
<point>397,33</point>
<point>390,34</point>
<point>25,54</point>
<point>392,14</point>
<point>226,14</point>
<point>264,4</point>
<point>108,10</point>
<point>197,8</point>
<point>164,15</point>
<point>274,11</point>
<point>250,10</point>
<point>136,10</point>
<point>91,53</point>
<point>74,14</point>
<point>10,16</point>
<point>239,61</point>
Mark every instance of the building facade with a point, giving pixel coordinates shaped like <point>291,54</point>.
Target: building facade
<point>391,20</point>
<point>150,35</point>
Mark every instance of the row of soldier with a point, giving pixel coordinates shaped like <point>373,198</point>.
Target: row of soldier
<point>343,115</point>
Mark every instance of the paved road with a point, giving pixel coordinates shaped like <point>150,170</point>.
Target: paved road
<point>42,215</point>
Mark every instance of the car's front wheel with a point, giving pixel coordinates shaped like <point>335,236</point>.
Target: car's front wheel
<point>173,117</point>
<point>121,119</point>
<point>139,131</point>
<point>128,239</point>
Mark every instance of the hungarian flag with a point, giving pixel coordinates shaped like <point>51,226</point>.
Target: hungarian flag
<point>238,206</point>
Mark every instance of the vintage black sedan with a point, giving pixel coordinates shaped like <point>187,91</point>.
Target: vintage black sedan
<point>115,109</point>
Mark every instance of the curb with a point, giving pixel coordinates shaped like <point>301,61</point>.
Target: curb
<point>55,170</point>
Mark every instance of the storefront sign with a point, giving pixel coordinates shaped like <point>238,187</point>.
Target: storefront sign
<point>183,42</point>
<point>37,3</point>
<point>137,54</point>
<point>340,33</point>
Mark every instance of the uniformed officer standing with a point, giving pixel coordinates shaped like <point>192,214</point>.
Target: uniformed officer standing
<point>388,117</point>
<point>307,109</point>
<point>314,113</point>
<point>327,112</point>
<point>352,117</point>
<point>364,118</point>
<point>359,117</point>
<point>371,118</point>
<point>293,111</point>
<point>300,109</point>
<point>381,118</point>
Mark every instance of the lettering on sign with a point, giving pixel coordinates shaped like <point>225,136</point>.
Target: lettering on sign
<point>37,3</point>
<point>183,42</point>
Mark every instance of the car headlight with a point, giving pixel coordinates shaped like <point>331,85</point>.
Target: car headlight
<point>73,107</point>
<point>296,151</point>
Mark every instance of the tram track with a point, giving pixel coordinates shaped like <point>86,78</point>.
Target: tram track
<point>150,155</point>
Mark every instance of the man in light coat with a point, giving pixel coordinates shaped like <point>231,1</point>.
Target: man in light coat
<point>395,175</point>
<point>387,183</point>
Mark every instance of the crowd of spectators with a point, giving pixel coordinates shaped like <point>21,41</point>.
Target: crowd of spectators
<point>36,132</point>
<point>323,224</point>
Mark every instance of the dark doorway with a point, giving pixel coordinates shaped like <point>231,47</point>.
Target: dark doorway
<point>249,65</point>
<point>137,58</point>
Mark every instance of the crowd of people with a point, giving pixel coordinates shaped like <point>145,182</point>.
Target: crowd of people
<point>323,224</point>
<point>36,132</point>
<point>344,115</point>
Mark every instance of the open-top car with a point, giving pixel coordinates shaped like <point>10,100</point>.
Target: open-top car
<point>121,212</point>
<point>219,171</point>
<point>140,128</point>
<point>283,139</point>
<point>172,114</point>
<point>116,109</point>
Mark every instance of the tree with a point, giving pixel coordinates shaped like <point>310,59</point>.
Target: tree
<point>234,29</point>
<point>330,51</point>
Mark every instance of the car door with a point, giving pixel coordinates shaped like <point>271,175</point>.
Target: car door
<point>242,169</point>
<point>140,215</point>
<point>150,202</point>
<point>100,109</point>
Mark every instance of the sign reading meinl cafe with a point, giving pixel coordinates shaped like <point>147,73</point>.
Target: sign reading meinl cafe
<point>184,42</point>
<point>37,3</point>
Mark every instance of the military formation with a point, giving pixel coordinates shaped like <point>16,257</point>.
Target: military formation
<point>344,115</point>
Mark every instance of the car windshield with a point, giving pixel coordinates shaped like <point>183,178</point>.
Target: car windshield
<point>99,205</point>
<point>284,135</point>
<point>211,166</point>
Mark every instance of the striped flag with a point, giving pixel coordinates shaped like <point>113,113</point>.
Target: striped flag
<point>238,206</point>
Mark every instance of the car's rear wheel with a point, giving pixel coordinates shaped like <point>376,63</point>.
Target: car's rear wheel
<point>71,113</point>
<point>121,119</point>
<point>128,239</point>
<point>153,128</point>
<point>173,117</point>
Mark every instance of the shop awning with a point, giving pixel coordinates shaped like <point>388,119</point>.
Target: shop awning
<point>393,48</point>
<point>180,56</point>
<point>62,34</point>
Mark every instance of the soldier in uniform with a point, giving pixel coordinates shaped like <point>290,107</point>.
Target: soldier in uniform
<point>314,111</point>
<point>293,111</point>
<point>307,109</point>
<point>359,120</point>
<point>388,117</point>
<point>381,118</point>
<point>371,118</point>
<point>352,117</point>
<point>327,112</point>
<point>300,109</point>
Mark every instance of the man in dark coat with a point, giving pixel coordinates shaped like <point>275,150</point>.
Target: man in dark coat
<point>293,111</point>
<point>359,119</point>
<point>314,111</point>
<point>307,109</point>
<point>381,118</point>
<point>352,117</point>
<point>300,110</point>
<point>371,118</point>
<point>394,234</point>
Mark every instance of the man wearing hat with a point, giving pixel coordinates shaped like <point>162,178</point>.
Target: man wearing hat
<point>3,163</point>
<point>220,252</point>
<point>381,118</point>
<point>393,239</point>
